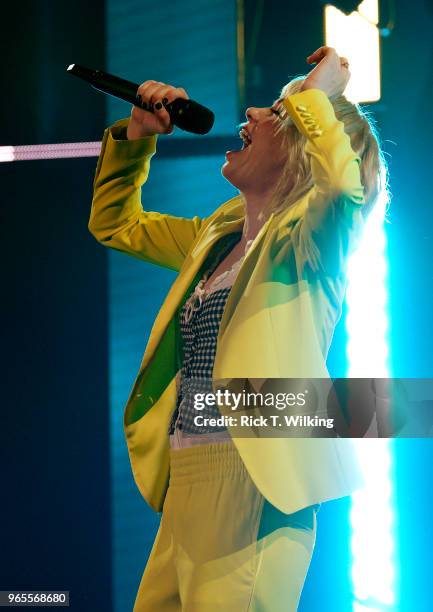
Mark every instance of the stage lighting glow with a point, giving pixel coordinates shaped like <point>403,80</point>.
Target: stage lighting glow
<point>367,321</point>
<point>371,515</point>
<point>356,36</point>
<point>361,608</point>
<point>372,521</point>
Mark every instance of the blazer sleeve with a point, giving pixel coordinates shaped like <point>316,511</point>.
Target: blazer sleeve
<point>117,218</point>
<point>333,219</point>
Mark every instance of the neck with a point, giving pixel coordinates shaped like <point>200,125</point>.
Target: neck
<point>254,218</point>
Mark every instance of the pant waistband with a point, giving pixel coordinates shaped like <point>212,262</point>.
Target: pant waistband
<point>206,462</point>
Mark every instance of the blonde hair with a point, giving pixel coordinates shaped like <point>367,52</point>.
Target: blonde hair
<point>296,179</point>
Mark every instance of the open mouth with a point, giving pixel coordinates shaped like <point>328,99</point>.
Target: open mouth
<point>245,137</point>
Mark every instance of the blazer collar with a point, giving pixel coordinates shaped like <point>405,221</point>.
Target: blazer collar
<point>231,217</point>
<point>226,221</point>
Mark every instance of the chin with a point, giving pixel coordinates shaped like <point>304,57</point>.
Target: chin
<point>226,172</point>
<point>229,173</point>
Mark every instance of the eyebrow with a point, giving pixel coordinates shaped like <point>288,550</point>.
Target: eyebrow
<point>277,108</point>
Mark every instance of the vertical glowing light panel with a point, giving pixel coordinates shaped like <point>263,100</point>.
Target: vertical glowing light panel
<point>371,512</point>
<point>356,37</point>
<point>366,320</point>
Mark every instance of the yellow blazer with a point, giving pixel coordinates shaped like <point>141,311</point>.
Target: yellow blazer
<point>280,315</point>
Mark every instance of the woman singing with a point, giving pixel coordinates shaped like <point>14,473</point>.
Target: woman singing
<point>259,291</point>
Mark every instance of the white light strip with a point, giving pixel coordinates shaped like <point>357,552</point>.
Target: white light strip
<point>371,513</point>
<point>49,151</point>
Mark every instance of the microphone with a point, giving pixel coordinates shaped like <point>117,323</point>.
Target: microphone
<point>185,114</point>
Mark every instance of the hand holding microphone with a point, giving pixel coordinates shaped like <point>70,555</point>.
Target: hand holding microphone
<point>156,96</point>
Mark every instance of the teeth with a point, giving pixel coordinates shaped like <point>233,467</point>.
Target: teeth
<point>243,134</point>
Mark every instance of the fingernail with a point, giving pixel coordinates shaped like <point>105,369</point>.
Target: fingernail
<point>140,102</point>
<point>158,105</point>
<point>164,100</point>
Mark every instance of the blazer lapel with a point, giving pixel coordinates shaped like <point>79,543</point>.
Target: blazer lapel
<point>221,226</point>
<point>243,275</point>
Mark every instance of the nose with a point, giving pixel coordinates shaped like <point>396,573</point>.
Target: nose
<point>252,113</point>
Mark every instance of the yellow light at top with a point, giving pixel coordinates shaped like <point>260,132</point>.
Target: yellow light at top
<point>356,36</point>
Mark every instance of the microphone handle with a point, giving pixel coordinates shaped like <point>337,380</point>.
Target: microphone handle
<point>109,84</point>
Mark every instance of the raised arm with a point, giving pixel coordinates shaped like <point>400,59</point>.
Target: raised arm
<point>117,218</point>
<point>335,167</point>
<point>333,218</point>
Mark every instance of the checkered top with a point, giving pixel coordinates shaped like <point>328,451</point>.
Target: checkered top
<point>199,341</point>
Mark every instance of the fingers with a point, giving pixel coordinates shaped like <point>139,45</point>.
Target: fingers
<point>344,62</point>
<point>156,95</point>
<point>153,92</point>
<point>146,91</point>
<point>320,53</point>
<point>344,67</point>
<point>331,72</point>
<point>173,93</point>
<point>329,53</point>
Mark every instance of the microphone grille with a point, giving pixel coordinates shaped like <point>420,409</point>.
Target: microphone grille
<point>192,116</point>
